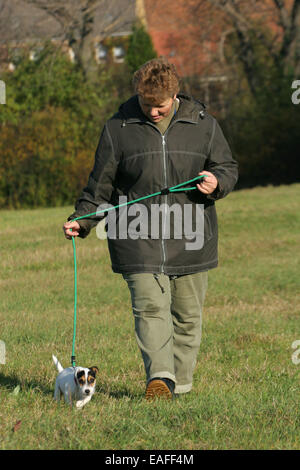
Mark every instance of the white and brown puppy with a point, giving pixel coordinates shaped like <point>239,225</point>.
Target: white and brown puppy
<point>75,383</point>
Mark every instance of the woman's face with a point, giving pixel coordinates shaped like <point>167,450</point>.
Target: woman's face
<point>156,111</point>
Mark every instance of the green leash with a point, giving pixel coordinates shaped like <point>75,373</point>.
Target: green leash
<point>75,303</point>
<point>178,187</point>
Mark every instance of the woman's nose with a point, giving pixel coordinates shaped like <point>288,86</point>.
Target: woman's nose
<point>153,112</point>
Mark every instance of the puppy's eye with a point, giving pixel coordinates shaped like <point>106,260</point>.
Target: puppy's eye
<point>91,379</point>
<point>81,378</point>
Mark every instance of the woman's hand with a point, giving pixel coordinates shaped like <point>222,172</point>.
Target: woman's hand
<point>208,184</point>
<point>71,233</point>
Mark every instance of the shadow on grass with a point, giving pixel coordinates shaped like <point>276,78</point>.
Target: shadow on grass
<point>10,382</point>
<point>122,392</point>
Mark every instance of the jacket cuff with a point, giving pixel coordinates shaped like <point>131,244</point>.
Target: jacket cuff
<point>218,192</point>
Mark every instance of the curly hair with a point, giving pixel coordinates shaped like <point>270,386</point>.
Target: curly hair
<point>156,80</point>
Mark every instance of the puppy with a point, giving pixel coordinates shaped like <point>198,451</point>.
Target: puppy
<point>75,383</point>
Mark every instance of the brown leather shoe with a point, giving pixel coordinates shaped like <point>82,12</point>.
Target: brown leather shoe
<point>160,388</point>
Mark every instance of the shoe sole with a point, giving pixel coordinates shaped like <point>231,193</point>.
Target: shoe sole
<point>158,389</point>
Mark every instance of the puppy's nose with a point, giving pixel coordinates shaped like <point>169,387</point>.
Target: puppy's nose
<point>87,392</point>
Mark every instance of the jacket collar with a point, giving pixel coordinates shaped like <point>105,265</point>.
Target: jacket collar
<point>188,111</point>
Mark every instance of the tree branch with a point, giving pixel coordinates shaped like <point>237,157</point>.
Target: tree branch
<point>284,19</point>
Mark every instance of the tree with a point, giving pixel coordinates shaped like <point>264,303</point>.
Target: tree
<point>140,48</point>
<point>240,35</point>
<point>77,20</point>
<point>247,21</point>
<point>49,129</point>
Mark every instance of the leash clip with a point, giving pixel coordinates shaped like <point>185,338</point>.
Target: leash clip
<point>165,191</point>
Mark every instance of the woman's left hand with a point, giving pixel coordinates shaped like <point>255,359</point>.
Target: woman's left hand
<point>207,184</point>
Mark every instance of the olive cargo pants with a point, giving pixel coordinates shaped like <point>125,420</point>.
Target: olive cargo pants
<point>168,319</point>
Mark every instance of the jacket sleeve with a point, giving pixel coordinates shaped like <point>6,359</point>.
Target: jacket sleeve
<point>221,163</point>
<point>100,184</point>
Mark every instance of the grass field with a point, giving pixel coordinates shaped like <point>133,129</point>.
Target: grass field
<point>246,387</point>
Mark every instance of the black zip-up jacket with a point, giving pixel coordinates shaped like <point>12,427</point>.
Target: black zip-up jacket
<point>134,159</point>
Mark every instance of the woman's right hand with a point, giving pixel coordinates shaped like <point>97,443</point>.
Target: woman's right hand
<point>67,229</point>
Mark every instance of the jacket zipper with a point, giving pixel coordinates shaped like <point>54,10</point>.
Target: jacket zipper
<point>166,196</point>
<point>166,185</point>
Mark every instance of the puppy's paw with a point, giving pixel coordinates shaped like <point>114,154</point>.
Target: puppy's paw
<point>80,404</point>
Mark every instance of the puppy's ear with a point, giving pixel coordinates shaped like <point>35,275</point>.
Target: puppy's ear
<point>94,370</point>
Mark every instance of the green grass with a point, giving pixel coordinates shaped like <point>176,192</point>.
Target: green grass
<point>246,387</point>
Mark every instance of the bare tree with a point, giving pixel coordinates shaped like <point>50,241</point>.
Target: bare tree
<point>256,28</point>
<point>289,20</point>
<point>250,21</point>
<point>77,20</point>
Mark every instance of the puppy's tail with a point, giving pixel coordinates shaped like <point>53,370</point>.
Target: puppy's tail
<point>57,363</point>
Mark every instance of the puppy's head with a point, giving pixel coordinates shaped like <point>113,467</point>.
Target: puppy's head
<point>86,380</point>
